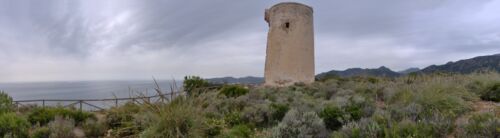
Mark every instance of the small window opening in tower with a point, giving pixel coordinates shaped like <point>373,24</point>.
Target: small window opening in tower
<point>287,25</point>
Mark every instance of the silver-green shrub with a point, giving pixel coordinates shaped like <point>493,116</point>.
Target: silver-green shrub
<point>61,127</point>
<point>298,124</point>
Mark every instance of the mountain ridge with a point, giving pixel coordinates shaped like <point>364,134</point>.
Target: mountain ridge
<point>464,66</point>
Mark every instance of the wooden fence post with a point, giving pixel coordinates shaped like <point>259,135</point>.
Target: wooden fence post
<point>80,104</point>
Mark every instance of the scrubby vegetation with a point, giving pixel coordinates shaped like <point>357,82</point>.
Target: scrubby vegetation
<point>438,105</point>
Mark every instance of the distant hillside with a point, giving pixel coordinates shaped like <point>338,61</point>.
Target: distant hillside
<point>409,70</point>
<point>491,62</point>
<point>382,72</point>
<point>242,80</point>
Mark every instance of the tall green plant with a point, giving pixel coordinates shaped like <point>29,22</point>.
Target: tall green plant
<point>192,83</point>
<point>11,125</point>
<point>5,102</point>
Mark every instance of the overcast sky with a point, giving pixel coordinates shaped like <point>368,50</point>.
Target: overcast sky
<point>121,39</point>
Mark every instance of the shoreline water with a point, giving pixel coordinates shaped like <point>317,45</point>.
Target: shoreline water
<point>82,89</point>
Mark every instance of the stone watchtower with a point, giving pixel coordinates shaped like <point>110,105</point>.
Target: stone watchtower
<point>290,44</point>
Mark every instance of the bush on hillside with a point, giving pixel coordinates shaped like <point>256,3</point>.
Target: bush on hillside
<point>177,119</point>
<point>278,111</point>
<point>492,93</point>
<point>194,83</point>
<point>239,131</point>
<point>369,127</point>
<point>5,102</point>
<point>45,115</point>
<point>94,128</point>
<point>365,128</point>
<point>121,116</point>
<point>40,132</point>
<point>258,115</point>
<point>233,90</point>
<point>61,127</point>
<point>11,125</point>
<point>332,116</point>
<point>214,127</point>
<point>300,124</point>
<point>481,125</point>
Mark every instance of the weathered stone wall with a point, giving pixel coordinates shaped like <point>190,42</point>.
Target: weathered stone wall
<point>290,44</point>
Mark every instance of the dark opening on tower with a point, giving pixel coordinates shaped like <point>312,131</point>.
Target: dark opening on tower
<point>287,25</point>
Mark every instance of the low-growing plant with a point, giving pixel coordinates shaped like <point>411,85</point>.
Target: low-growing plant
<point>44,115</point>
<point>258,115</point>
<point>121,116</point>
<point>12,125</point>
<point>278,111</point>
<point>300,124</point>
<point>492,93</point>
<point>233,118</point>
<point>177,119</point>
<point>94,128</point>
<point>240,131</point>
<point>481,125</point>
<point>233,90</point>
<point>214,127</point>
<point>61,127</point>
<point>332,117</point>
<point>365,128</point>
<point>40,132</point>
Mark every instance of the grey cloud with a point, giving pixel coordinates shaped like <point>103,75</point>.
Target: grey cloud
<point>135,38</point>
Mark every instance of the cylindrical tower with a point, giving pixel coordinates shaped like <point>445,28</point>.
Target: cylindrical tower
<point>290,44</point>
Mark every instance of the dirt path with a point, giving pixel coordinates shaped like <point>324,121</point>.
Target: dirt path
<point>478,107</point>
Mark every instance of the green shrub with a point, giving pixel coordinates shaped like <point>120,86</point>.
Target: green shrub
<point>441,101</point>
<point>332,116</point>
<point>40,132</point>
<point>5,102</point>
<point>240,131</point>
<point>365,128</point>
<point>408,128</point>
<point>354,111</point>
<point>81,116</point>
<point>192,83</point>
<point>93,128</point>
<point>45,115</point>
<point>368,127</point>
<point>121,116</point>
<point>233,90</point>
<point>177,119</point>
<point>300,124</point>
<point>481,125</point>
<point>214,127</point>
<point>257,114</point>
<point>278,111</point>
<point>11,125</point>
<point>492,93</point>
<point>233,118</point>
<point>61,127</point>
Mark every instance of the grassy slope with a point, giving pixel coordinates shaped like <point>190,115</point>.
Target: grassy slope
<point>412,106</point>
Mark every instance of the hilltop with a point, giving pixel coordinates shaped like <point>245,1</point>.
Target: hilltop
<point>466,66</point>
<point>491,62</point>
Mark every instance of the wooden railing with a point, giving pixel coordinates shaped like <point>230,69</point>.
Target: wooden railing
<point>81,102</point>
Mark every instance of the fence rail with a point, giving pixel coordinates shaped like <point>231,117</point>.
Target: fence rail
<point>81,102</point>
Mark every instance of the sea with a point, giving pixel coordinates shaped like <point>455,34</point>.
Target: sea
<point>85,90</point>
